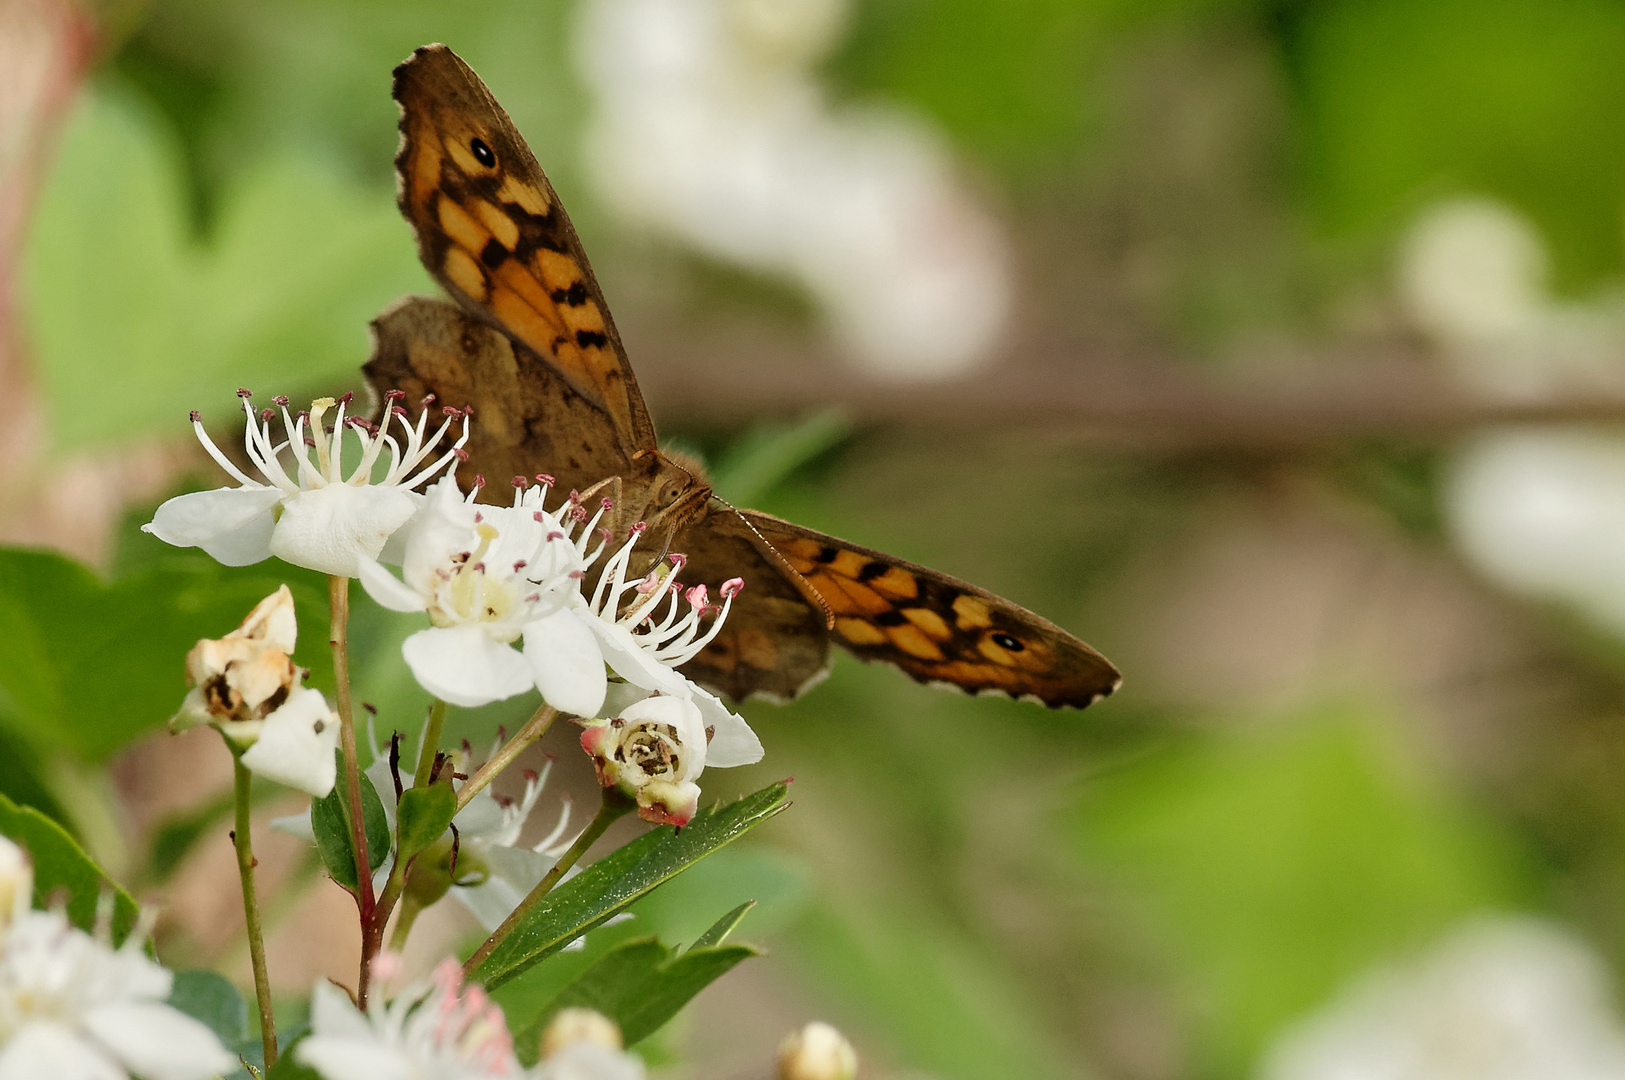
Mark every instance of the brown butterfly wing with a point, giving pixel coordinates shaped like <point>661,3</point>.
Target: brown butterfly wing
<point>527,417</point>
<point>775,643</point>
<point>936,628</point>
<point>490,229</point>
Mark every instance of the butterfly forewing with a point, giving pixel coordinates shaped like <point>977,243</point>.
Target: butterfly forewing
<point>491,230</point>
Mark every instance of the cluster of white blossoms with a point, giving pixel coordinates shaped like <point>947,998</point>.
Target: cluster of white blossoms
<point>488,578</point>
<point>71,1005</point>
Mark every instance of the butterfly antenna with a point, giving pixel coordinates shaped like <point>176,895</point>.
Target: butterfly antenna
<point>795,575</point>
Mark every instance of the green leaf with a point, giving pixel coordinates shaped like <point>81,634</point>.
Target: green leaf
<point>87,666</point>
<point>424,814</point>
<point>287,1068</point>
<point>1278,864</point>
<point>120,293</point>
<point>622,876</point>
<point>724,926</point>
<point>63,871</point>
<point>640,985</point>
<point>328,822</point>
<point>211,998</point>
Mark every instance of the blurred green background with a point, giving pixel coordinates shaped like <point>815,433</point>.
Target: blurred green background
<point>1218,440</point>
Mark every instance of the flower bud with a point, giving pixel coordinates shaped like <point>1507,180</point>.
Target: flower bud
<point>574,1025</point>
<point>817,1052</point>
<point>652,752</point>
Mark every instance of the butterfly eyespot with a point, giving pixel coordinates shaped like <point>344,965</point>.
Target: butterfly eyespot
<point>482,153</point>
<point>1005,641</point>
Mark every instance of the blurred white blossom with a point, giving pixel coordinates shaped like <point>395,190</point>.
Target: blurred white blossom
<point>1543,513</point>
<point>1473,276</point>
<point>1502,999</point>
<point>581,1044</point>
<point>72,1006</point>
<point>711,127</point>
<point>438,1029</point>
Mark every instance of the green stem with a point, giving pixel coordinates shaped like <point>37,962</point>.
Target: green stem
<point>403,925</point>
<point>534,729</point>
<point>338,596</point>
<point>431,743</point>
<point>242,838</point>
<point>614,806</point>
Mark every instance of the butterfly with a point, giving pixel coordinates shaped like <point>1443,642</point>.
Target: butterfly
<point>529,345</point>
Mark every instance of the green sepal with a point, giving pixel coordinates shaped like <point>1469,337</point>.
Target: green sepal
<point>423,815</point>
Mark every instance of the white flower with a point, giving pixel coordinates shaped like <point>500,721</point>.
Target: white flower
<point>494,872</point>
<point>73,1007</point>
<point>1500,999</point>
<point>580,1044</point>
<point>317,517</point>
<point>817,1052</point>
<point>653,752</point>
<point>645,645</point>
<point>246,685</point>
<point>436,1030</point>
<point>484,575</point>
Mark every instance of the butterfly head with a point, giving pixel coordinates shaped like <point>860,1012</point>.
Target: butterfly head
<point>678,490</point>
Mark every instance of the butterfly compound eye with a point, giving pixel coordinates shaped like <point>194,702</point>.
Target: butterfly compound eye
<point>482,153</point>
<point>1005,641</point>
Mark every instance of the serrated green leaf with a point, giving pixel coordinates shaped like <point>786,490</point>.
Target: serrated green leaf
<point>723,927</point>
<point>63,871</point>
<point>424,814</point>
<point>640,985</point>
<point>211,998</point>
<point>619,878</point>
<point>328,822</point>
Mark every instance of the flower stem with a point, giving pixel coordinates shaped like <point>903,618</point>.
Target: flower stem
<point>431,743</point>
<point>403,925</point>
<point>251,908</point>
<point>338,597</point>
<point>615,805</point>
<point>534,729</point>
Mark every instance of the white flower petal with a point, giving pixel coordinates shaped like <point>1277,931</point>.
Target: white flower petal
<point>158,1042</point>
<point>633,664</point>
<point>299,825</point>
<point>386,589</point>
<point>355,1059</point>
<point>44,1049</point>
<point>732,740</point>
<point>332,1013</point>
<point>233,525</point>
<point>568,666</point>
<point>296,745</point>
<point>464,667</point>
<point>325,528</point>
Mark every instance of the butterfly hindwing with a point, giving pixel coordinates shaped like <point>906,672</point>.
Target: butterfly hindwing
<point>527,417</point>
<point>775,643</point>
<point>491,230</point>
<point>937,628</point>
